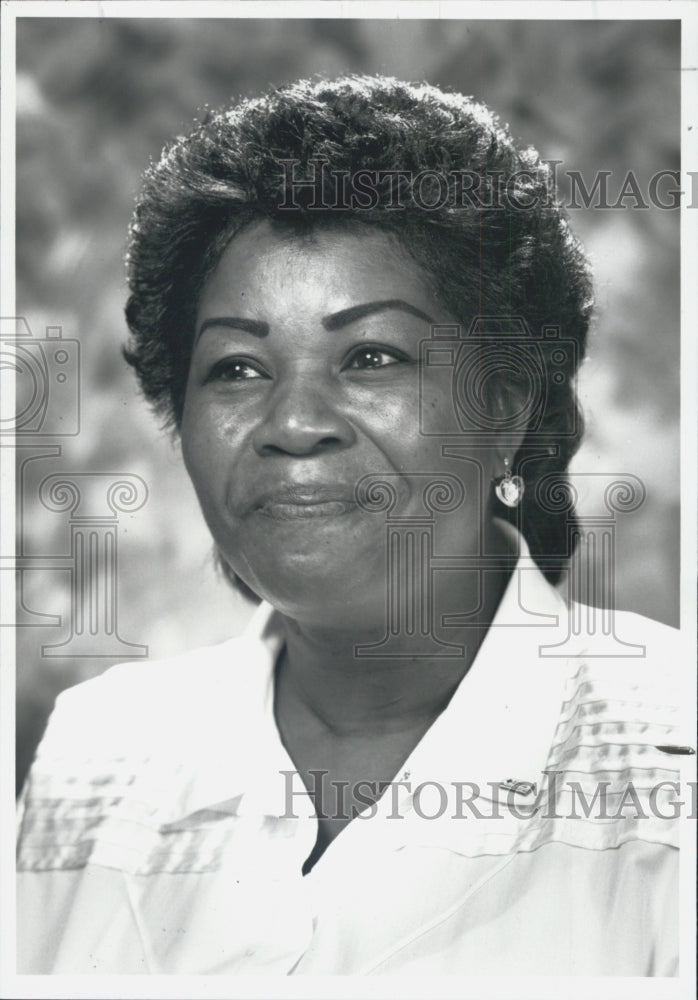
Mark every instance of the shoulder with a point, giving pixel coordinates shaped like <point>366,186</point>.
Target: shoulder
<point>630,676</point>
<point>622,734</point>
<point>623,655</point>
<point>115,744</point>
<point>601,631</point>
<point>634,669</point>
<point>136,700</point>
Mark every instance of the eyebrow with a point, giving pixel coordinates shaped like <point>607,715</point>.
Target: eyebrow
<point>354,313</point>
<point>254,326</point>
<point>258,328</point>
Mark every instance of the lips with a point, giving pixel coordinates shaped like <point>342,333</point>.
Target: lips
<point>300,501</point>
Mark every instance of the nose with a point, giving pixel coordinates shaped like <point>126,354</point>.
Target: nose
<point>302,418</point>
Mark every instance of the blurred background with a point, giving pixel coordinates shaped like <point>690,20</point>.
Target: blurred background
<point>98,98</point>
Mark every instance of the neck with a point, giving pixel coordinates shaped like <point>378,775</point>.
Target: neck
<point>341,694</point>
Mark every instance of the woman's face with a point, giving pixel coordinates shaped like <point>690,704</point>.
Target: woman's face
<point>304,378</point>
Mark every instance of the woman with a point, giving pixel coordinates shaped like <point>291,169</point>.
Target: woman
<point>362,310</point>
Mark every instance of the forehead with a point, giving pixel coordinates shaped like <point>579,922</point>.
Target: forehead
<point>334,265</point>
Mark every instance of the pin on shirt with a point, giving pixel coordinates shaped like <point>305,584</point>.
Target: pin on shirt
<point>518,787</point>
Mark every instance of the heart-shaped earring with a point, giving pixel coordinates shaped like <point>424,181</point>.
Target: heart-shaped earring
<point>509,489</point>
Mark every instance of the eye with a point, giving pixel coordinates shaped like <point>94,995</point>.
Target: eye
<point>370,356</point>
<point>234,370</point>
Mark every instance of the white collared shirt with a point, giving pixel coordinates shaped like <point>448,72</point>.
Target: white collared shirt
<point>165,828</point>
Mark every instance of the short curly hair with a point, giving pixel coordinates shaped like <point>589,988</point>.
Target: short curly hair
<point>478,214</point>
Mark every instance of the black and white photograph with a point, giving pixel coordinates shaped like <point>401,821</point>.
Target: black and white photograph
<point>348,445</point>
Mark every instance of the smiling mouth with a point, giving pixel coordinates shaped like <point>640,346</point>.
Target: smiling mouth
<point>303,503</point>
<point>292,511</point>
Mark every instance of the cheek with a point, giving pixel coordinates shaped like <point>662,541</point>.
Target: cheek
<point>205,450</point>
<point>464,470</point>
<point>194,445</point>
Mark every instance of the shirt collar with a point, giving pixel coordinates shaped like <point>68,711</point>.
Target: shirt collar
<point>498,726</point>
<point>501,721</point>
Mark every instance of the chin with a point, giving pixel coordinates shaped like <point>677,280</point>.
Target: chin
<point>324,591</point>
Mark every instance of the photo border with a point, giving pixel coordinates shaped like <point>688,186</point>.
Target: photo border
<point>531,988</point>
